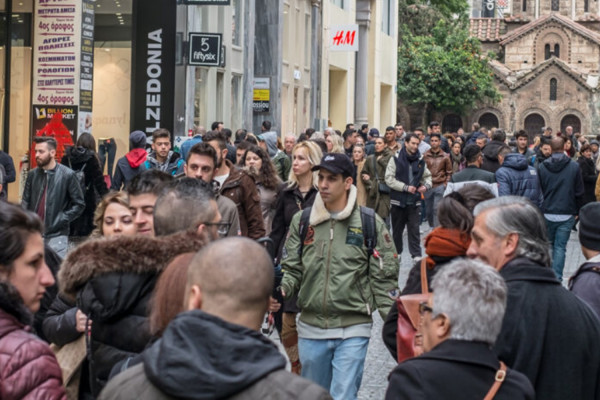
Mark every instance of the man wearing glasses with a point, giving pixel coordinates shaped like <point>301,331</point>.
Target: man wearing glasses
<point>459,324</point>
<point>201,164</point>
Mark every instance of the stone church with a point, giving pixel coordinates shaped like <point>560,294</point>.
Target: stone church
<point>546,69</point>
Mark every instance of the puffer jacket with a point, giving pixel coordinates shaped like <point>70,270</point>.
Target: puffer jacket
<point>112,281</point>
<point>179,366</point>
<point>241,189</point>
<point>336,284</point>
<point>28,368</point>
<point>440,166</point>
<point>78,158</point>
<point>64,198</point>
<point>517,178</point>
<point>173,165</point>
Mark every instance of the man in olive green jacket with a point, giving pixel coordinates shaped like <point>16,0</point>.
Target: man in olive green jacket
<point>337,287</point>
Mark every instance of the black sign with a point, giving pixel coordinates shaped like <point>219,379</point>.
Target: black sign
<point>153,65</point>
<point>205,49</point>
<point>208,2</point>
<point>489,9</point>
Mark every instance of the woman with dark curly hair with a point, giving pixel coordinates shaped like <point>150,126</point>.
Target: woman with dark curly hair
<point>257,163</point>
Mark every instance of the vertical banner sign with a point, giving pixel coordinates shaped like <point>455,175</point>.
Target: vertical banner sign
<point>343,38</point>
<point>56,63</point>
<point>153,65</point>
<point>489,8</point>
<point>87,66</point>
<point>261,95</point>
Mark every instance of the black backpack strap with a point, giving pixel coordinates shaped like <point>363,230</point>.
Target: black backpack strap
<point>303,228</point>
<point>369,228</point>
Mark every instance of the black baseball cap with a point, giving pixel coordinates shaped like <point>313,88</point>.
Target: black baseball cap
<point>336,163</point>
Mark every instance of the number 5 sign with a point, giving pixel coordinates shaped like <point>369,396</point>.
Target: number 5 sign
<point>343,38</point>
<point>205,49</point>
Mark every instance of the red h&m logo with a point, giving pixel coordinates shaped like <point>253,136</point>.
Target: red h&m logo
<point>344,38</point>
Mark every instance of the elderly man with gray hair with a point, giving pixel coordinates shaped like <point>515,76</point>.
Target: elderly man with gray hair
<point>547,333</point>
<point>459,325</point>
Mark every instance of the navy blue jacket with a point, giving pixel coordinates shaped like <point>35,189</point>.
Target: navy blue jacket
<point>515,177</point>
<point>562,185</point>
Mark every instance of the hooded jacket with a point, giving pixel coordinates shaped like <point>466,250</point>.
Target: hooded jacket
<point>173,165</point>
<point>336,282</point>
<point>78,158</point>
<point>241,189</point>
<point>589,176</point>
<point>562,185</point>
<point>280,160</point>
<point>112,280</point>
<point>64,198</point>
<point>128,167</point>
<point>230,362</point>
<point>28,368</point>
<point>517,178</point>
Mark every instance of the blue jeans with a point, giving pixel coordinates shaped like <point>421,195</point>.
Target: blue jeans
<point>335,364</point>
<point>558,236</point>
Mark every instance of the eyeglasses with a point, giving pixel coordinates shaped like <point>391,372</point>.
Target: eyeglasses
<point>423,308</point>
<point>222,227</point>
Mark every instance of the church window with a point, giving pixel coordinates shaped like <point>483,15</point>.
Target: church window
<point>586,5</point>
<point>555,5</point>
<point>525,5</point>
<point>547,52</point>
<point>553,89</point>
<point>557,50</point>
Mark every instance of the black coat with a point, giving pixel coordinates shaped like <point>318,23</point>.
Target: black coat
<point>549,334</point>
<point>585,283</point>
<point>77,158</point>
<point>9,169</point>
<point>113,280</point>
<point>455,369</point>
<point>589,175</point>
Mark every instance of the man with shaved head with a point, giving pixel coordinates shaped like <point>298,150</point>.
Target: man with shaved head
<point>215,349</point>
<point>562,185</point>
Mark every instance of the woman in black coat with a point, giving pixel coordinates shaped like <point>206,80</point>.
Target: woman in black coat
<point>82,157</point>
<point>588,173</point>
<point>295,195</point>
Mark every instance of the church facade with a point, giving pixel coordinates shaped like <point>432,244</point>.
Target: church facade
<point>546,67</point>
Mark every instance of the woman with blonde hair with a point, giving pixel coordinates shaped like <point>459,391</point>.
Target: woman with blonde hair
<point>113,216</point>
<point>296,194</point>
<point>335,144</point>
<point>358,161</point>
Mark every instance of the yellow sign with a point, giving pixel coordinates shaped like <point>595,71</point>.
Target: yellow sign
<point>261,95</point>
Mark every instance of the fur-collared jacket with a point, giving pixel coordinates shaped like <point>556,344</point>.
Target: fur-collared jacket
<point>28,368</point>
<point>112,280</point>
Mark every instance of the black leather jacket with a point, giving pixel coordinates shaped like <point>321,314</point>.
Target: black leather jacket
<point>64,198</point>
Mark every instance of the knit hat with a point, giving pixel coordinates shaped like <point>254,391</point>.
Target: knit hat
<point>589,232</point>
<point>137,140</point>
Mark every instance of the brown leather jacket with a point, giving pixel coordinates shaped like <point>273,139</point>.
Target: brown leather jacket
<point>440,166</point>
<point>241,189</point>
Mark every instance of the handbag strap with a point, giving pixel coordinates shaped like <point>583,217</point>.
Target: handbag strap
<point>375,168</point>
<point>424,285</point>
<point>500,376</point>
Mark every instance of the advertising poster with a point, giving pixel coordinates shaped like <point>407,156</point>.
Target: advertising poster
<point>58,122</point>
<point>261,94</point>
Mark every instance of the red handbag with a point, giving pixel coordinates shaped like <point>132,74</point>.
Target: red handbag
<point>408,343</point>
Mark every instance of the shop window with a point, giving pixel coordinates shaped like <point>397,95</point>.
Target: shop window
<point>553,89</point>
<point>236,22</point>
<point>386,20</point>
<point>339,3</point>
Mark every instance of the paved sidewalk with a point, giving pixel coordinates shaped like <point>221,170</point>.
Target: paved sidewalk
<point>379,362</point>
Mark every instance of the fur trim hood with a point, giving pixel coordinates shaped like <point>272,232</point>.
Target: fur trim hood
<point>12,304</point>
<point>319,213</point>
<point>126,254</point>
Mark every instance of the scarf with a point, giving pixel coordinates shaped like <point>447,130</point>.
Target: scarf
<point>403,161</point>
<point>446,243</point>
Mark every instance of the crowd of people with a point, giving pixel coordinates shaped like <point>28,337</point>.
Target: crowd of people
<point>168,281</point>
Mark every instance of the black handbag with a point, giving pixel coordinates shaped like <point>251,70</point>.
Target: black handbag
<point>381,187</point>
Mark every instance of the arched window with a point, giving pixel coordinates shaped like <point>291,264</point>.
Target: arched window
<point>586,6</point>
<point>547,52</point>
<point>555,5</point>
<point>552,89</point>
<point>525,5</point>
<point>557,50</point>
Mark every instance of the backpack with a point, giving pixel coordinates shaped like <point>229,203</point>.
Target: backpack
<point>368,222</point>
<point>80,176</point>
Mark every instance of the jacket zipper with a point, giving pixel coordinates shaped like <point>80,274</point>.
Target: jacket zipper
<point>327,273</point>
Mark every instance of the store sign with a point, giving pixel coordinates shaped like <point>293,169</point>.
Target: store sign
<point>153,65</point>
<point>261,94</point>
<point>205,49</point>
<point>208,2</point>
<point>63,47</point>
<point>343,38</point>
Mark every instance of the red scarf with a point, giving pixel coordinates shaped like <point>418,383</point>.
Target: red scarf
<point>445,242</point>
